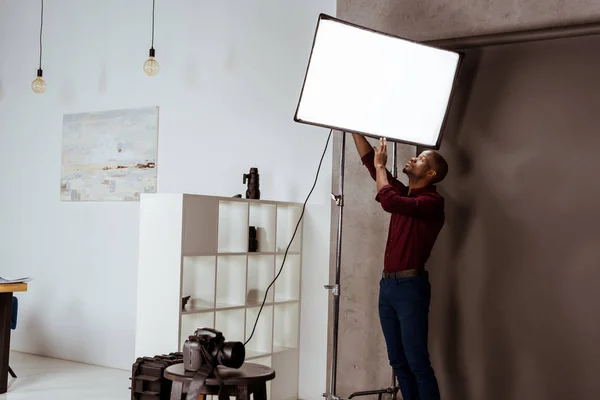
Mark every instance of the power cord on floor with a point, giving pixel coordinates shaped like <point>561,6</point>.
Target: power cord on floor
<point>292,239</point>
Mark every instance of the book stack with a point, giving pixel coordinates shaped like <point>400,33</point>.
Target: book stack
<point>17,280</point>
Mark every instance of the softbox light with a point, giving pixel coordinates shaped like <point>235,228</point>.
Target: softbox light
<point>363,81</point>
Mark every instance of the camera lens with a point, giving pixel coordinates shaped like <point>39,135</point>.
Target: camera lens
<point>233,354</point>
<point>252,178</point>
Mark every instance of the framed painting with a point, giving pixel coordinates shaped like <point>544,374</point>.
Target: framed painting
<point>109,155</point>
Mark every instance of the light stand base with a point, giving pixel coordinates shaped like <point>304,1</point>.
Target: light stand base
<point>393,390</point>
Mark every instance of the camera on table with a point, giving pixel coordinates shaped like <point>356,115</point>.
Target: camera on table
<point>208,346</point>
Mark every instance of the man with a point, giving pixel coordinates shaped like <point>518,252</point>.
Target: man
<point>417,216</point>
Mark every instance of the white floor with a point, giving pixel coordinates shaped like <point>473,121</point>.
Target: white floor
<point>48,378</point>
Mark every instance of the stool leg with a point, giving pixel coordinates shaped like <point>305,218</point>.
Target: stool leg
<point>260,391</point>
<point>242,393</point>
<point>177,391</point>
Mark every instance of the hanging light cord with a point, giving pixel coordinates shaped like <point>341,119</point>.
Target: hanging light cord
<point>153,5</point>
<point>41,30</point>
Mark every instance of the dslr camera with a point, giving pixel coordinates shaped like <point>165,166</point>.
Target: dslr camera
<point>208,346</point>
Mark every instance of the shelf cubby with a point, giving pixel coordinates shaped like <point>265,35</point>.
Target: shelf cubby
<point>260,275</point>
<point>231,281</point>
<point>233,227</point>
<point>199,224</point>
<point>266,360</point>
<point>264,218</point>
<point>231,324</point>
<point>261,342</point>
<point>287,220</point>
<point>285,332</point>
<point>199,282</point>
<point>191,322</point>
<point>287,286</point>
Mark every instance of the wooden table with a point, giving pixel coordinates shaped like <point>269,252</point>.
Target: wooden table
<point>249,379</point>
<point>6,295</point>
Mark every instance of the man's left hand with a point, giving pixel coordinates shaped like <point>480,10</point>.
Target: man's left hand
<point>381,154</point>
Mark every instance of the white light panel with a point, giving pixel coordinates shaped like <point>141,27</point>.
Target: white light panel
<point>367,82</point>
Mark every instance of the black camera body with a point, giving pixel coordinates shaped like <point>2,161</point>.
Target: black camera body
<point>208,346</point>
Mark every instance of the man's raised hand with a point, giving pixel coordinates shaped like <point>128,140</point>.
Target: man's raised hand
<point>381,154</point>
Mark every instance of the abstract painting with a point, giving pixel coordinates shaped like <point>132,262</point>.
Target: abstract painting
<point>109,155</point>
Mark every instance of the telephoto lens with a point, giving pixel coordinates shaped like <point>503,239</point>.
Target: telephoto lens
<point>253,191</point>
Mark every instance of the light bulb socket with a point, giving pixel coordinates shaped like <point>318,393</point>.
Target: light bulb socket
<point>40,73</point>
<point>151,52</point>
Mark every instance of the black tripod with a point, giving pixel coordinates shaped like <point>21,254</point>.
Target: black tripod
<point>335,288</point>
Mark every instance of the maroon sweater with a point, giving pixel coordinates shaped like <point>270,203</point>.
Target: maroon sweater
<point>416,221</point>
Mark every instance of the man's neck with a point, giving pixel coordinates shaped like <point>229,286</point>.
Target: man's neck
<point>416,185</point>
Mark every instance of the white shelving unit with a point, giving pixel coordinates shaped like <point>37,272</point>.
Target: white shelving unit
<point>197,246</point>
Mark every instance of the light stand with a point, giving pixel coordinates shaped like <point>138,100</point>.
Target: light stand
<point>335,288</point>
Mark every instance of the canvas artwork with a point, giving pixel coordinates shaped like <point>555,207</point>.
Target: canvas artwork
<point>109,155</point>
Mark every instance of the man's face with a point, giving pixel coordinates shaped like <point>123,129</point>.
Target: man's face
<point>419,166</point>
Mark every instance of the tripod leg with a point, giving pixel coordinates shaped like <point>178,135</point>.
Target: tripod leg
<point>11,372</point>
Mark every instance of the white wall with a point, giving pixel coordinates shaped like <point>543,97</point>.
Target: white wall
<point>230,79</point>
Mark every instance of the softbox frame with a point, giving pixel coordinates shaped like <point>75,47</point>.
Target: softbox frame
<point>388,86</point>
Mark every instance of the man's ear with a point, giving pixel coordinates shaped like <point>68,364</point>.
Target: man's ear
<point>431,173</point>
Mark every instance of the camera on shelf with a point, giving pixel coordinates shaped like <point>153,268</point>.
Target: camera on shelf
<point>208,346</point>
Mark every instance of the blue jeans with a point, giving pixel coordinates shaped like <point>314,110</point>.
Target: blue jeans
<point>403,312</point>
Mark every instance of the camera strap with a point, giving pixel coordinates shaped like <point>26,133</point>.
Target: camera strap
<point>199,380</point>
<point>223,393</point>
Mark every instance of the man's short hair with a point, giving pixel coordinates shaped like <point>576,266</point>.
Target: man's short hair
<point>440,166</point>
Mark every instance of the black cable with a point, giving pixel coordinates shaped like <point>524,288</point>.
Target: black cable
<point>41,29</point>
<point>292,239</point>
<point>153,5</point>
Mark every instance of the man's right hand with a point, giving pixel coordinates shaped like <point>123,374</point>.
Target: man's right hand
<point>364,148</point>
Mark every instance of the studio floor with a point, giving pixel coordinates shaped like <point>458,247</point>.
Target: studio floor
<point>48,378</point>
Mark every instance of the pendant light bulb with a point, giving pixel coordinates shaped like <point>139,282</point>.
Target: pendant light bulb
<point>38,85</point>
<point>151,66</point>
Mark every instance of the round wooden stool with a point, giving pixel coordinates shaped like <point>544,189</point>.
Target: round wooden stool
<point>249,379</point>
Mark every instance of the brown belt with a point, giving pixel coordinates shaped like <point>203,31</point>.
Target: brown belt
<point>402,274</point>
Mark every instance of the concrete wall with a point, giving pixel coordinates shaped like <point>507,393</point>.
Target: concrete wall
<point>513,270</point>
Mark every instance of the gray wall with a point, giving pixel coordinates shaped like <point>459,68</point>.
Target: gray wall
<point>515,270</point>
